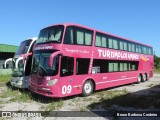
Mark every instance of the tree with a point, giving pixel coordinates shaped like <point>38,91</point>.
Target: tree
<point>156,61</point>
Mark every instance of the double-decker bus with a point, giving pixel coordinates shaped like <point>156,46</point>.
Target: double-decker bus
<point>22,63</point>
<point>70,59</point>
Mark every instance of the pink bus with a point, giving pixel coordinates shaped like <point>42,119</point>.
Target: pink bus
<point>70,59</point>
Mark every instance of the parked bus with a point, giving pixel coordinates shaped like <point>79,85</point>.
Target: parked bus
<point>70,59</point>
<point>22,64</point>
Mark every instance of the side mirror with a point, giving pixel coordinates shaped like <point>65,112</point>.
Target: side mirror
<point>52,57</point>
<point>5,63</point>
<point>17,61</point>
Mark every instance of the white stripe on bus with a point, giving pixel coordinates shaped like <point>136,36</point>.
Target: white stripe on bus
<point>115,80</point>
<point>77,86</point>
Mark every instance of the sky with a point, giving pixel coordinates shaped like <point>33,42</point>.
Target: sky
<point>138,20</point>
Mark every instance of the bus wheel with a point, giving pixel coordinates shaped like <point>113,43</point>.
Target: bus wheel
<point>144,77</point>
<point>87,88</point>
<point>139,78</point>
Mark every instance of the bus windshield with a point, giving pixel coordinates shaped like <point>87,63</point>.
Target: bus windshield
<point>51,34</point>
<point>18,72</point>
<point>23,48</point>
<point>40,64</point>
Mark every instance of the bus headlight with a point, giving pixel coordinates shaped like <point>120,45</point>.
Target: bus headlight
<point>52,82</point>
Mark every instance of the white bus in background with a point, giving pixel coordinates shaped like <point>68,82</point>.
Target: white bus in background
<point>21,64</point>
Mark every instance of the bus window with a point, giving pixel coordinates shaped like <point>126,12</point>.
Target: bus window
<point>67,66</point>
<point>50,34</point>
<point>78,36</point>
<point>83,37</point>
<point>82,66</point>
<point>125,66</point>
<point>69,36</point>
<point>133,47</point>
<point>88,38</point>
<point>121,67</point>
<point>113,66</point>
<point>134,65</point>
<point>122,45</point>
<point>101,40</point>
<point>144,50</point>
<point>102,64</point>
<point>98,41</point>
<point>149,51</point>
<point>129,47</point>
<point>113,43</point>
<point>138,49</point>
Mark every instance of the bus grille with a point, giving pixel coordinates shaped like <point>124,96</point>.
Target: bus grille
<point>38,80</point>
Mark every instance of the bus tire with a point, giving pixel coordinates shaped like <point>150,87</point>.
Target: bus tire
<point>139,78</point>
<point>87,88</point>
<point>144,77</point>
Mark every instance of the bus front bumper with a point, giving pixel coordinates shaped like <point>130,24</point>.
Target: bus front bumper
<point>42,90</point>
<point>19,82</point>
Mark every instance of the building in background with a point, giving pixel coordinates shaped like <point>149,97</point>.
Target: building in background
<point>6,51</point>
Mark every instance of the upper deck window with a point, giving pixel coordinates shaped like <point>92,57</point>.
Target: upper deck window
<point>51,34</point>
<point>149,51</point>
<point>144,50</point>
<point>78,36</point>
<point>23,48</point>
<point>101,40</point>
<point>122,45</point>
<point>138,48</point>
<point>131,47</point>
<point>113,43</point>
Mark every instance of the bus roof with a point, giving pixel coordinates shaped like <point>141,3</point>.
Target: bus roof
<point>33,38</point>
<point>113,35</point>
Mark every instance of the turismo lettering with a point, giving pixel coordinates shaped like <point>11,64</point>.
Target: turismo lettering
<point>117,55</point>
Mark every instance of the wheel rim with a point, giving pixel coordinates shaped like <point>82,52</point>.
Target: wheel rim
<point>144,77</point>
<point>139,78</point>
<point>87,87</point>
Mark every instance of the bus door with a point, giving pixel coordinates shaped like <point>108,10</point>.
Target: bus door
<point>66,75</point>
<point>29,59</point>
<point>28,65</point>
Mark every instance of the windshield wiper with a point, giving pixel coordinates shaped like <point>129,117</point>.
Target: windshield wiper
<point>41,70</point>
<point>48,41</point>
<point>52,41</point>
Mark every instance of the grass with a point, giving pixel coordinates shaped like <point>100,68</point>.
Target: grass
<point>23,97</point>
<point>54,105</point>
<point>4,79</point>
<point>109,94</point>
<point>8,93</point>
<point>112,94</point>
<point>11,94</point>
<point>87,99</point>
<point>16,95</point>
